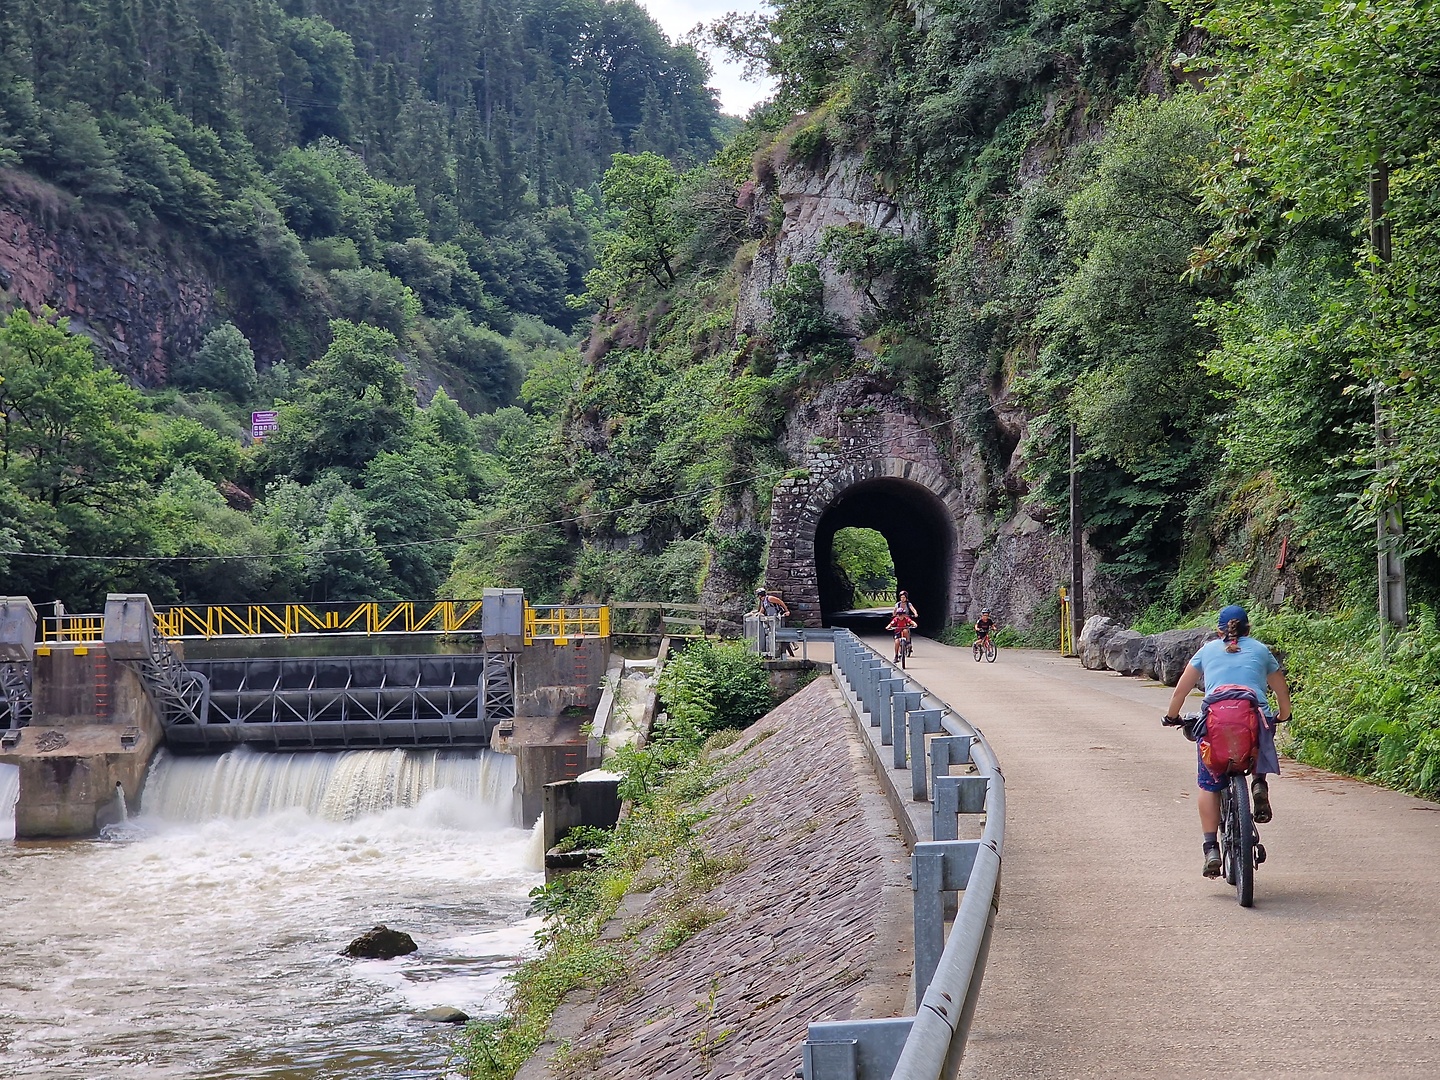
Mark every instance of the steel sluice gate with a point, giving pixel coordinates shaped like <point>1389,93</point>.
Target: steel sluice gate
<point>360,701</point>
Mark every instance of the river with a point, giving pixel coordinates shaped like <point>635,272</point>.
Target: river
<point>201,938</point>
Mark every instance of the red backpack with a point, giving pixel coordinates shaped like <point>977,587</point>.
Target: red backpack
<point>1230,740</point>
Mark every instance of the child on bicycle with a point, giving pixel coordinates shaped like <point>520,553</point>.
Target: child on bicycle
<point>985,625</point>
<point>901,623</point>
<point>1235,659</point>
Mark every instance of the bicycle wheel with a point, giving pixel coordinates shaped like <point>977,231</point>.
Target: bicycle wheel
<point>976,651</point>
<point>900,652</point>
<point>990,651</point>
<point>1240,840</point>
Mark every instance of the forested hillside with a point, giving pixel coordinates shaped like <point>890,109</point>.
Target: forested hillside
<point>380,198</point>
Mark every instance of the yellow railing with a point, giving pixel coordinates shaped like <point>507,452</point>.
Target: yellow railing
<point>207,621</point>
<point>309,620</point>
<point>84,628</point>
<point>561,622</point>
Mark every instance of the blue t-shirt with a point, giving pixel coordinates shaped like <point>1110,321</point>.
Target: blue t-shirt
<point>1249,667</point>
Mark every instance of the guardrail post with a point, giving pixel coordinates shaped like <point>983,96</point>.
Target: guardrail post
<point>953,796</point>
<point>894,720</point>
<point>888,689</point>
<point>937,867</point>
<point>920,722</point>
<point>853,1049</point>
<point>871,695</point>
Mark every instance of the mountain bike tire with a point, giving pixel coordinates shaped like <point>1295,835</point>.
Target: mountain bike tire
<point>990,652</point>
<point>1238,842</point>
<point>900,653</point>
<point>976,651</point>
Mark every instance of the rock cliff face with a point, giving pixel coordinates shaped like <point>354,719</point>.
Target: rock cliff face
<point>856,438</point>
<point>840,194</point>
<point>144,306</point>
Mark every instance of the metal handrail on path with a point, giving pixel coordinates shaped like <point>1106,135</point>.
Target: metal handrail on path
<point>948,968</point>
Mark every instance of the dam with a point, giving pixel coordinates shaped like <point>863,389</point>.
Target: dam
<point>86,701</point>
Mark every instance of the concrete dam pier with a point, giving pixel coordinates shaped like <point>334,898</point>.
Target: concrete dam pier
<point>90,730</point>
<point>86,702</point>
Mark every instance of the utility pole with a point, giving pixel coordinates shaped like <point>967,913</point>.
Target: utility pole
<point>1077,544</point>
<point>1388,526</point>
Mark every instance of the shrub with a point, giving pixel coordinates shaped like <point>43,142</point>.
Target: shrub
<point>224,362</point>
<point>714,685</point>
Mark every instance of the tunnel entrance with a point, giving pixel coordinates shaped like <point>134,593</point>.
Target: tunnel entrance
<point>918,527</point>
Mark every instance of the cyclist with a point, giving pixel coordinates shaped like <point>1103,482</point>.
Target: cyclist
<point>903,606</point>
<point>767,603</point>
<point>901,623</point>
<point>985,625</point>
<point>1235,658</point>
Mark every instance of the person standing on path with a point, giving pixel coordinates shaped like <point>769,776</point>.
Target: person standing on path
<point>768,604</point>
<point>1235,659</point>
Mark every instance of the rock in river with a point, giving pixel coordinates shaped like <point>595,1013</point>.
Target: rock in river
<point>444,1014</point>
<point>382,943</point>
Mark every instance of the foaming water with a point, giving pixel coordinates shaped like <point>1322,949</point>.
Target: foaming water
<point>9,792</point>
<point>207,942</point>
<point>337,787</point>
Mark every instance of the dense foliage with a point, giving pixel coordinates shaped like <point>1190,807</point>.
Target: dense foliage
<point>400,197</point>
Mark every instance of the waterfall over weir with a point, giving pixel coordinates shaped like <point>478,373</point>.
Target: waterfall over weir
<point>342,786</point>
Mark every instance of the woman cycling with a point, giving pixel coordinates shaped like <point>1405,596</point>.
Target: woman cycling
<point>1235,659</point>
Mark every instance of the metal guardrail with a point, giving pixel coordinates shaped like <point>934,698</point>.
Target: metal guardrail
<point>209,621</point>
<point>564,621</point>
<point>658,619</point>
<point>948,969</point>
<point>84,629</point>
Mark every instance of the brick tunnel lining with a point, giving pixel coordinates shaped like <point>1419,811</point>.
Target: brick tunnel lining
<point>917,526</point>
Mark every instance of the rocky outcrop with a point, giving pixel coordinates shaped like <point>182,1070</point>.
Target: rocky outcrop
<point>840,193</point>
<point>143,307</point>
<point>381,943</point>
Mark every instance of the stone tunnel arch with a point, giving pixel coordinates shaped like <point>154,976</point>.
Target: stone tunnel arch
<point>921,538</point>
<point>912,505</point>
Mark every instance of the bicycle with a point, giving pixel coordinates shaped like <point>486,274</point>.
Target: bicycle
<point>984,647</point>
<point>903,648</point>
<point>1240,848</point>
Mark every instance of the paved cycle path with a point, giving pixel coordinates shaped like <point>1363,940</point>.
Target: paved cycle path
<point>1113,957</point>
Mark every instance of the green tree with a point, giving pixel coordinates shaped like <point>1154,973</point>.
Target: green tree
<point>1318,99</point>
<point>863,555</point>
<point>224,362</point>
<point>646,235</point>
<point>352,405</point>
<point>68,433</point>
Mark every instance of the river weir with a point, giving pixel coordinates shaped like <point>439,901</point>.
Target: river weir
<point>202,936</point>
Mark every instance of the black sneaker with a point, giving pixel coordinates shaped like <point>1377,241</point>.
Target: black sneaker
<point>1212,861</point>
<point>1260,800</point>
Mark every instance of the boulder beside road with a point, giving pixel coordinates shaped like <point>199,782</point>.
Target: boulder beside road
<point>1105,645</point>
<point>1095,635</point>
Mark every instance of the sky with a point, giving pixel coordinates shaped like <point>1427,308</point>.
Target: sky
<point>677,17</point>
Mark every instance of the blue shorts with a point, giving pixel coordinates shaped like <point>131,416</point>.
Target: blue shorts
<point>1267,761</point>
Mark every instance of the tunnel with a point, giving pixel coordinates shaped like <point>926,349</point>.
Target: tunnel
<point>918,527</point>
